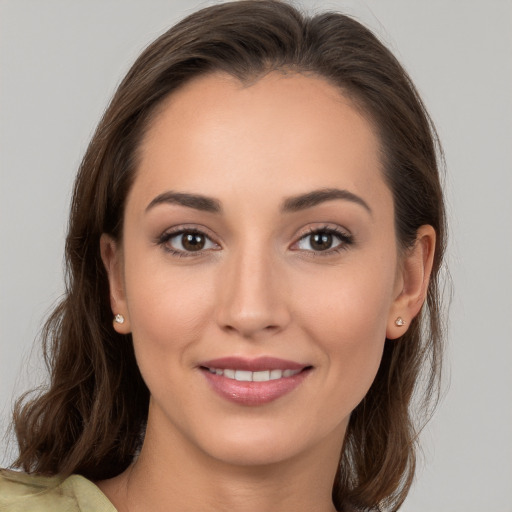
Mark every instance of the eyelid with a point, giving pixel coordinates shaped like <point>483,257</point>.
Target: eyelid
<point>170,233</point>
<point>344,235</point>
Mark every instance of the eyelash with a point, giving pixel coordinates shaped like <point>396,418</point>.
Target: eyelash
<point>345,241</point>
<point>168,235</point>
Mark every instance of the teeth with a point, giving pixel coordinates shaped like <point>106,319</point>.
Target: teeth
<point>260,376</point>
<point>276,374</point>
<point>230,374</point>
<point>243,375</point>
<point>247,376</point>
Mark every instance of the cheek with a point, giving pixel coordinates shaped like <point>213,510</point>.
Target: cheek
<point>346,313</point>
<point>167,313</point>
<point>353,299</point>
<point>168,306</point>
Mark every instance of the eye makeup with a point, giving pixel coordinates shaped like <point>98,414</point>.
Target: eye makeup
<point>324,241</point>
<point>191,241</point>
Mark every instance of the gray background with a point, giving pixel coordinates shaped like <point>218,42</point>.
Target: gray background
<point>60,62</point>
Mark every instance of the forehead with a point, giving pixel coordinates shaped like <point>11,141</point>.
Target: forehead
<point>284,131</point>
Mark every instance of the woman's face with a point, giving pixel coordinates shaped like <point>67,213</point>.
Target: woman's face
<point>258,271</point>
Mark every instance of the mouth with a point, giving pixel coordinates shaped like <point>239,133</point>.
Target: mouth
<point>254,381</point>
<point>248,376</point>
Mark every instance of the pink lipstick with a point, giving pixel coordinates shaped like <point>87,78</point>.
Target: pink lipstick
<point>253,381</point>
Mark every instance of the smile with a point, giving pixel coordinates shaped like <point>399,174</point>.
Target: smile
<point>254,382</point>
<point>248,376</point>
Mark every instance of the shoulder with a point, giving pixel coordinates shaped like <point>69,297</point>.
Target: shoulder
<point>20,492</point>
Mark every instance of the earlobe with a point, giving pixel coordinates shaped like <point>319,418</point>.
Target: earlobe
<point>415,276</point>
<point>111,256</point>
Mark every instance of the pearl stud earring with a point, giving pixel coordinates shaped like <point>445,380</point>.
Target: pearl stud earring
<point>400,322</point>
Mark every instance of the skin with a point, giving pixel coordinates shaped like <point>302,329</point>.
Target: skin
<point>259,288</point>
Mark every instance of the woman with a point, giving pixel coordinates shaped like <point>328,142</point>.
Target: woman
<point>259,212</point>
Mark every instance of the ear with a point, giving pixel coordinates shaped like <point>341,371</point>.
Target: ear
<point>412,282</point>
<point>112,257</point>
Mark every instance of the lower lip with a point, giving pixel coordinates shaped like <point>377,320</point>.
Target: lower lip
<point>254,393</point>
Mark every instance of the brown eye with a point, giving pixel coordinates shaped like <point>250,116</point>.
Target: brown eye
<point>193,241</point>
<point>324,240</point>
<point>189,241</point>
<point>321,241</point>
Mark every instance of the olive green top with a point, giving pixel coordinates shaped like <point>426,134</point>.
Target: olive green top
<point>20,492</point>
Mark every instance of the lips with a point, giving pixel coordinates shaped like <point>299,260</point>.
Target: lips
<point>253,381</point>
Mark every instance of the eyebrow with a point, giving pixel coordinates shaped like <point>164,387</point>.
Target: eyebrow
<point>291,204</point>
<point>316,197</point>
<point>196,201</point>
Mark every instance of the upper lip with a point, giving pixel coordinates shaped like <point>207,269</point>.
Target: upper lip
<point>253,365</point>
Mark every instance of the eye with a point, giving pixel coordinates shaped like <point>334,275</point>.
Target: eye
<point>187,241</point>
<point>324,240</point>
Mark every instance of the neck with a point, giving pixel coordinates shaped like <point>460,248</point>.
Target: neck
<point>171,476</point>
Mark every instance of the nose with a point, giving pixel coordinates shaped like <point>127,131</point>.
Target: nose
<point>252,299</point>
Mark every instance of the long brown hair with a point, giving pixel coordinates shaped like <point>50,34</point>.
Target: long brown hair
<point>91,418</point>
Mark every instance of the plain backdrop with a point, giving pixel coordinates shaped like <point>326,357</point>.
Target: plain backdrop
<point>61,60</point>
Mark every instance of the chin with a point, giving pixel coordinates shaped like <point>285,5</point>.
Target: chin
<point>263,451</point>
<point>264,442</point>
